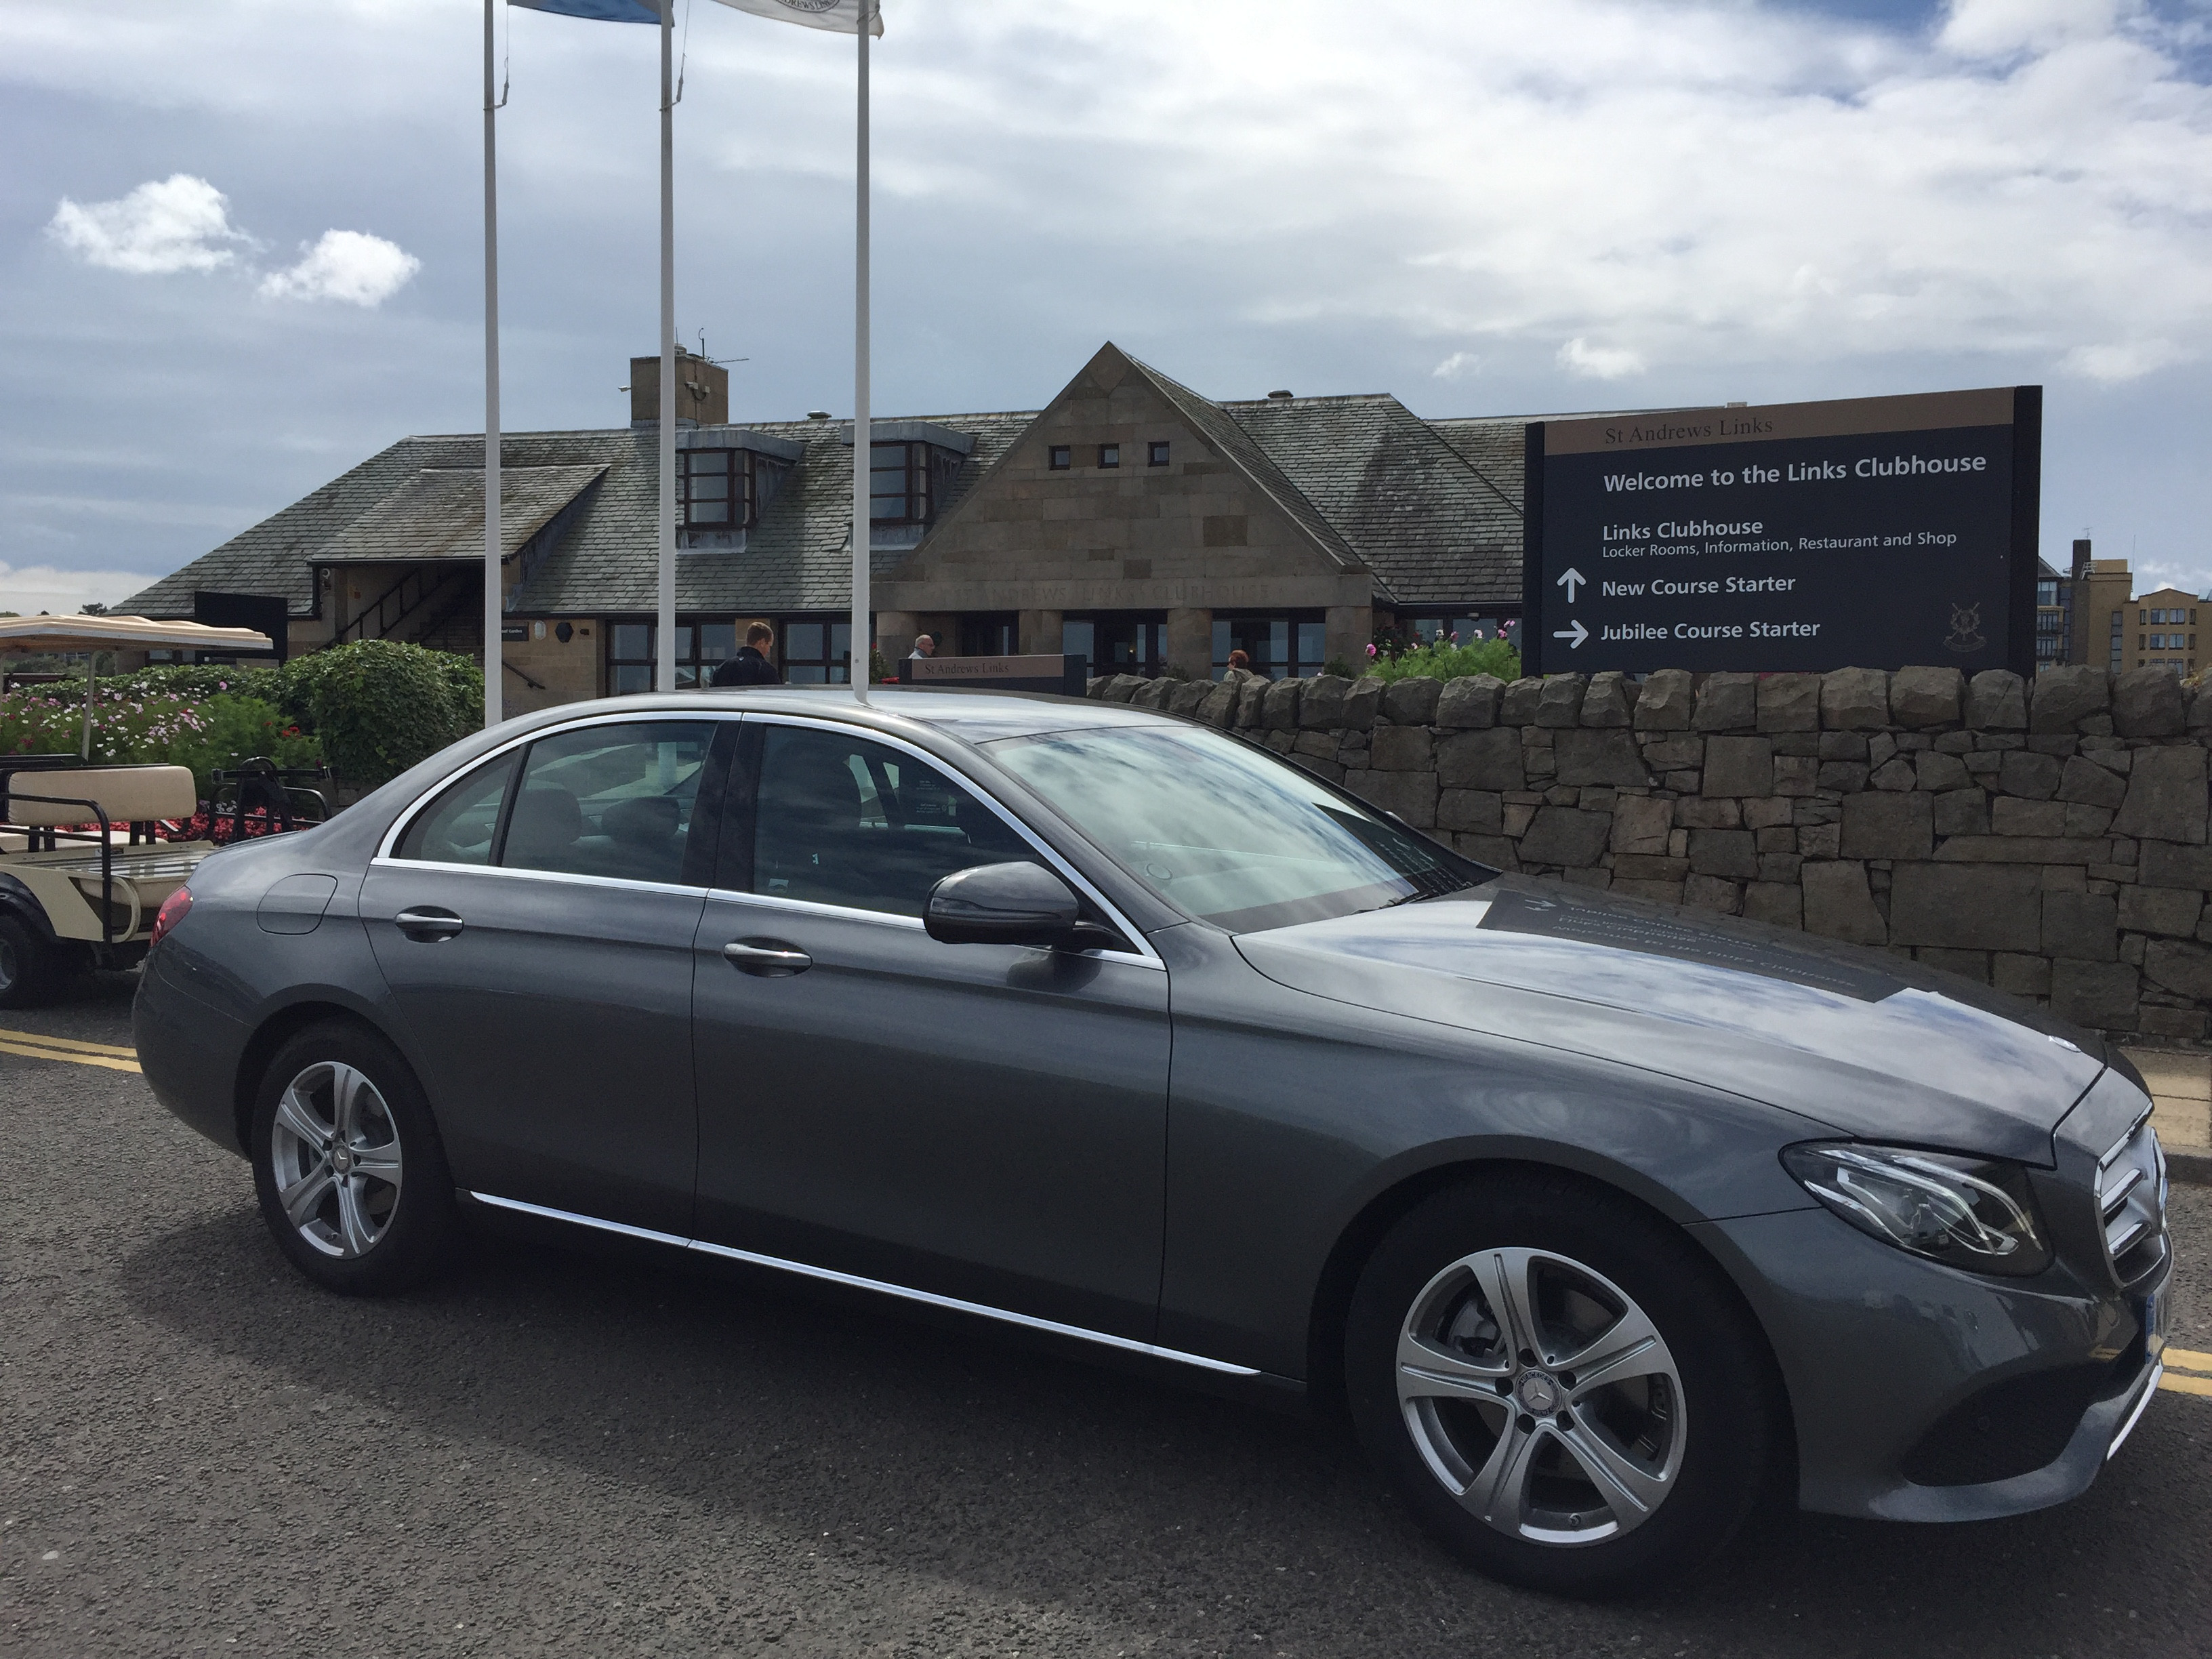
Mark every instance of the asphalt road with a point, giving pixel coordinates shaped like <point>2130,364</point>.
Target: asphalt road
<point>554,1452</point>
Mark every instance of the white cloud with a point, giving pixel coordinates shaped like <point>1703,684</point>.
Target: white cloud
<point>346,264</point>
<point>32,588</point>
<point>1460,365</point>
<point>1999,29</point>
<point>1579,357</point>
<point>166,225</point>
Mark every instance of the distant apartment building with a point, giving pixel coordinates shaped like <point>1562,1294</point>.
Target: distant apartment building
<point>2099,618</point>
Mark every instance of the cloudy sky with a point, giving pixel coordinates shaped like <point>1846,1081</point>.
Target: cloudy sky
<point>240,240</point>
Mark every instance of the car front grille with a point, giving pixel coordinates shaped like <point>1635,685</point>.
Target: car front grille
<point>2132,1202</point>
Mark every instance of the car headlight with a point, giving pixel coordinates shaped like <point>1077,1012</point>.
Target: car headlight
<point>1975,1213</point>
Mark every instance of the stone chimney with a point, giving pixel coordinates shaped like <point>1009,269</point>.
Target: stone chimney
<point>2080,559</point>
<point>703,391</point>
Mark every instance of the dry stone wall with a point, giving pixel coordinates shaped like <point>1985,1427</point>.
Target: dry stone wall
<point>2047,837</point>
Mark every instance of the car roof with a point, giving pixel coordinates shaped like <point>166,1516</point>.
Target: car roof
<point>975,716</point>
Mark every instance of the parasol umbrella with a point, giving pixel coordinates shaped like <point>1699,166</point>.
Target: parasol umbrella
<point>91,634</point>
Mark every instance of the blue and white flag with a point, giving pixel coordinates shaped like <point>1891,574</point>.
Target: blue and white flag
<point>604,11</point>
<point>842,16</point>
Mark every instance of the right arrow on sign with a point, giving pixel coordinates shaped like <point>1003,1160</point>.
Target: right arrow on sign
<point>1570,581</point>
<point>1574,635</point>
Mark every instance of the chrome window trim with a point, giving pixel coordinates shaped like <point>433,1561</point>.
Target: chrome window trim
<point>623,883</point>
<point>853,1282</point>
<point>1143,953</point>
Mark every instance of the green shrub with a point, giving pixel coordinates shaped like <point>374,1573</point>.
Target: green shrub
<point>378,707</point>
<point>1449,662</point>
<point>166,728</point>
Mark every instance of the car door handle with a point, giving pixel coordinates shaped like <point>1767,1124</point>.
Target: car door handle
<point>768,958</point>
<point>429,926</point>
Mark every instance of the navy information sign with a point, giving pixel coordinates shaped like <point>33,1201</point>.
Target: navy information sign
<point>1869,532</point>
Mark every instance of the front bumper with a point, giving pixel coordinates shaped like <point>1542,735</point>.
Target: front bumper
<point>1898,1367</point>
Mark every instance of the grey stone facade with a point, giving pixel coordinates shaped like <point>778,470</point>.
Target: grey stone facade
<point>2046,837</point>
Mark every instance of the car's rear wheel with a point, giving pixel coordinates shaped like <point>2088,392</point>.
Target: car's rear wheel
<point>1559,1384</point>
<point>351,1174</point>
<point>28,968</point>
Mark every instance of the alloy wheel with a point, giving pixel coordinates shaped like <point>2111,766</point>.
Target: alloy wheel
<point>1542,1396</point>
<point>335,1149</point>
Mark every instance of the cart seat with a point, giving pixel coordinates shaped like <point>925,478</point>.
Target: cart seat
<point>128,795</point>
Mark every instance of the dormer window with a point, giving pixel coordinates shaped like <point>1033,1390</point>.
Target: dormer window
<point>907,480</point>
<point>714,489</point>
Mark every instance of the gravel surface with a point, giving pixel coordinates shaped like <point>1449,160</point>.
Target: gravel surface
<point>557,1451</point>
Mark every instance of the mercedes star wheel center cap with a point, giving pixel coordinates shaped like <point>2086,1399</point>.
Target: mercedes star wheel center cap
<point>342,1160</point>
<point>1538,1393</point>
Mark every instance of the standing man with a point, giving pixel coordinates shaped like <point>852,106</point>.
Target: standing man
<point>924,648</point>
<point>751,666</point>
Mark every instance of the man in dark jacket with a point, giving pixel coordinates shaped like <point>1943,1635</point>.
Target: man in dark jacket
<point>751,666</point>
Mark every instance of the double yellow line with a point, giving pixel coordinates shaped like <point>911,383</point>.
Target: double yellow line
<point>2181,1361</point>
<point>37,1045</point>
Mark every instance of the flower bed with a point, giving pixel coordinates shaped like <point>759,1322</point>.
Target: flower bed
<point>200,733</point>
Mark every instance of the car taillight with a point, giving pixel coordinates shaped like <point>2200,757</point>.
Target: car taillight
<point>171,913</point>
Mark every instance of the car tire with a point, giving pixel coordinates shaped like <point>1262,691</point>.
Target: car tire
<point>27,967</point>
<point>349,1165</point>
<point>1579,1484</point>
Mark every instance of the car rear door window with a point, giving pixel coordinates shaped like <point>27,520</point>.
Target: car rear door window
<point>613,801</point>
<point>458,827</point>
<point>841,820</point>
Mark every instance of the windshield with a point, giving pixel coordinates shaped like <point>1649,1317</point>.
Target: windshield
<point>1225,831</point>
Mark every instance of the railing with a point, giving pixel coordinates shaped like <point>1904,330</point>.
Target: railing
<point>395,604</point>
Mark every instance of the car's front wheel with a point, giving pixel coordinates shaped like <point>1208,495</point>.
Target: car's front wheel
<point>1559,1384</point>
<point>350,1171</point>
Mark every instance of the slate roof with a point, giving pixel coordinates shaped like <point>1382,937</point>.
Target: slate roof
<point>1430,507</point>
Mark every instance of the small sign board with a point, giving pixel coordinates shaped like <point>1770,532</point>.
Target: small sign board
<point>265,613</point>
<point>1869,532</point>
<point>513,633</point>
<point>1061,674</point>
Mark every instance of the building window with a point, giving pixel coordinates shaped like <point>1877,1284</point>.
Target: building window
<point>1109,454</point>
<point>899,483</point>
<point>701,647</point>
<point>1063,457</point>
<point>2046,592</point>
<point>1159,455</point>
<point>994,634</point>
<point>2119,640</point>
<point>1129,643</point>
<point>714,489</point>
<point>1292,646</point>
<point>817,652</point>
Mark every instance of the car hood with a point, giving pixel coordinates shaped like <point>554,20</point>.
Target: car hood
<point>1869,1044</point>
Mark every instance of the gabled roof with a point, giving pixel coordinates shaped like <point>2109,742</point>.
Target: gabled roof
<point>439,514</point>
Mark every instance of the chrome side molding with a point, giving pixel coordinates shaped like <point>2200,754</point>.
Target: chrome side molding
<point>853,1282</point>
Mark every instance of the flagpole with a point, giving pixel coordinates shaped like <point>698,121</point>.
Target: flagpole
<point>664,663</point>
<point>493,697</point>
<point>863,453</point>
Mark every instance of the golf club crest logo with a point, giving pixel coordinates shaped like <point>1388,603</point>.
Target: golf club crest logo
<point>813,8</point>
<point>1966,629</point>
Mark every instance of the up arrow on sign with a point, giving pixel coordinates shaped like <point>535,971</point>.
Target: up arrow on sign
<point>1570,581</point>
<point>1574,636</point>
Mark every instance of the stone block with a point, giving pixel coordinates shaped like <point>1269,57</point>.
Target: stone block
<point>1600,879</point>
<point>2021,975</point>
<point>1779,867</point>
<point>1778,903</point>
<point>2081,926</point>
<point>1321,707</point>
<point>1966,907</point>
<point>1411,795</point>
<point>1559,701</point>
<point>2170,911</point>
<point>1854,699</point>
<point>1796,775</point>
<point>2084,822</point>
<point>1323,745</point>
<point>1412,700</point>
<point>1936,772</point>
<point>1605,700</point>
<point>1954,742</point>
<point>2187,1024</point>
<point>1843,777</point>
<point>2198,703</point>
<point>1700,813</point>
<point>1673,754</point>
<point>2023,849</point>
<point>1968,964</point>
<point>1731,853</point>
<point>1838,904</point>
<point>1402,749</point>
<point>1282,743</point>
<point>1820,841</point>
<point>1603,755</point>
<point>1727,702</point>
<point>1252,703</point>
<point>1218,706</point>
<point>2010,816</point>
<point>1363,702</point>
<point>2084,780</point>
<point>2056,744</point>
<point>2166,797</point>
<point>1495,851</point>
<point>1322,768</point>
<point>1188,695</point>
<point>1157,693</point>
<point>1480,811</point>
<point>1766,814</point>
<point>1789,703</point>
<point>1279,708</point>
<point>2147,702</point>
<point>1738,766</point>
<point>1641,866</point>
<point>1120,688</point>
<point>2031,776</point>
<point>2098,994</point>
<point>1640,823</point>
<point>2061,698</point>
<point>1566,836</point>
<point>1469,703</point>
<point>2179,966</point>
<point>1997,701</point>
<point>1682,783</point>
<point>1926,696</point>
<point>1888,826</point>
<point>1893,773</point>
<point>1488,759</point>
<point>1658,892</point>
<point>1711,893</point>
<point>1518,815</point>
<point>2164,864</point>
<point>1516,704</point>
<point>1665,703</point>
<point>1962,812</point>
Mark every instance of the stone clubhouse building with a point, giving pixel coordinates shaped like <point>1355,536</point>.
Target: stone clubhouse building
<point>1131,520</point>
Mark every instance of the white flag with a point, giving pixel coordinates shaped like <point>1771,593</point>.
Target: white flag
<point>842,16</point>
